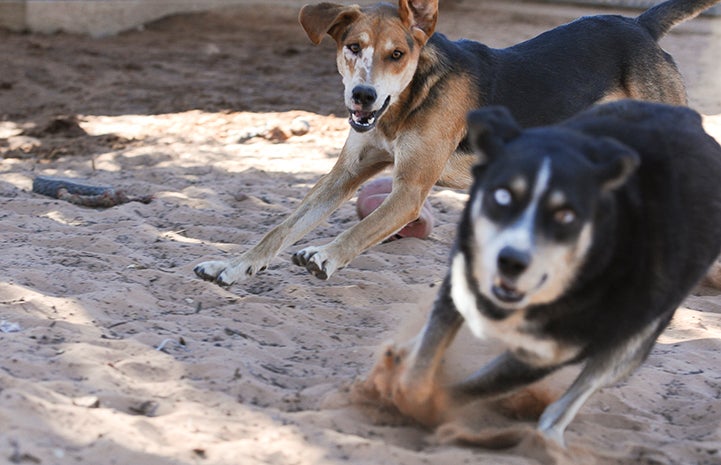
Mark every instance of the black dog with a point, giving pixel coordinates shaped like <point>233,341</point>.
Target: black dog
<point>578,243</point>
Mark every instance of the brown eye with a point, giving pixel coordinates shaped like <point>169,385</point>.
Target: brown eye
<point>396,55</point>
<point>354,48</point>
<point>564,216</point>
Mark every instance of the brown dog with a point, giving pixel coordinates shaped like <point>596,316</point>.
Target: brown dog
<point>408,91</point>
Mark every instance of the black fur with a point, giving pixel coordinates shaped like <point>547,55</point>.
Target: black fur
<point>654,237</point>
<point>562,71</point>
<point>655,233</point>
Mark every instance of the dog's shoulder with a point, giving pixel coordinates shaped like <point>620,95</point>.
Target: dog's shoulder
<point>463,54</point>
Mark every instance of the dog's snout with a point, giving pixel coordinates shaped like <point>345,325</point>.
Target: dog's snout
<point>512,262</point>
<point>364,95</point>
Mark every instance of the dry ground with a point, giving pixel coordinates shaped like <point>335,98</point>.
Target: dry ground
<point>116,354</point>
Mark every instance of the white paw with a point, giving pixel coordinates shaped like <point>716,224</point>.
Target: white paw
<point>316,260</point>
<point>551,430</point>
<point>226,273</point>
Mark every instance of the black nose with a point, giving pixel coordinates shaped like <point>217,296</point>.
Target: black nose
<point>364,95</point>
<point>512,262</point>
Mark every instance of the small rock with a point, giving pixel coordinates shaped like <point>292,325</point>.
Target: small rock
<point>211,49</point>
<point>299,126</point>
<point>23,143</point>
<point>147,408</point>
<point>87,402</point>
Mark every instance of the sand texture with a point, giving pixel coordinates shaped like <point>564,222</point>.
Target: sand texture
<point>114,352</point>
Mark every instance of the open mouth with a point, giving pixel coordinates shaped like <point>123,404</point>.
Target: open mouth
<point>363,121</point>
<point>507,293</point>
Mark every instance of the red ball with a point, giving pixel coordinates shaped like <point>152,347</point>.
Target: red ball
<point>373,193</point>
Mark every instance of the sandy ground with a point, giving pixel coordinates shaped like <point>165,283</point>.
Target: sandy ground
<point>115,353</point>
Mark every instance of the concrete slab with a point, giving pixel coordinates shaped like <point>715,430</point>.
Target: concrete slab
<point>102,17</point>
<point>12,15</point>
<point>107,17</point>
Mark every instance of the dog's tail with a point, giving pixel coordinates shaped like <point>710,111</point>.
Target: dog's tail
<point>659,19</point>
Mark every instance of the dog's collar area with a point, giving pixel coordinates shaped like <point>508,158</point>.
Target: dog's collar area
<point>363,121</point>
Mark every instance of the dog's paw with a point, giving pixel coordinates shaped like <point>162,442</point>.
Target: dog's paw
<point>210,271</point>
<point>384,377</point>
<point>225,273</point>
<point>397,383</point>
<point>317,261</point>
<point>551,431</point>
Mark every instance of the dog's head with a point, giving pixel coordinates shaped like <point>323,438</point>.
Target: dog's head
<point>532,207</point>
<point>378,50</point>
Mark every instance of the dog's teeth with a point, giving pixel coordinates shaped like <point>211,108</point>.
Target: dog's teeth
<point>363,119</point>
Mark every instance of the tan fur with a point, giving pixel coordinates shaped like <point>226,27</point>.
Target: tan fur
<point>427,402</point>
<point>526,404</point>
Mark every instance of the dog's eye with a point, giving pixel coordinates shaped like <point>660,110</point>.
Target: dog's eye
<point>396,55</point>
<point>503,197</point>
<point>564,216</point>
<point>354,48</point>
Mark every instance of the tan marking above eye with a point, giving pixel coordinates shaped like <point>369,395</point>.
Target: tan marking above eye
<point>519,185</point>
<point>389,45</point>
<point>556,200</point>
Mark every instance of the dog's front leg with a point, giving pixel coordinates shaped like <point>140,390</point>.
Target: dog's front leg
<point>356,163</point>
<point>407,375</point>
<point>412,180</point>
<point>559,414</point>
<point>501,376</point>
<point>397,210</point>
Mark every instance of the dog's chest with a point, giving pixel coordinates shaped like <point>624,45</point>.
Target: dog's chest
<point>514,331</point>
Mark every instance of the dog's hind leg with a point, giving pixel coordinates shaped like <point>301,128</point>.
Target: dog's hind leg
<point>600,370</point>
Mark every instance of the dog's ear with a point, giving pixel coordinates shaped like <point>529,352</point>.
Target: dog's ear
<point>330,18</point>
<point>419,15</point>
<point>615,162</point>
<point>489,129</point>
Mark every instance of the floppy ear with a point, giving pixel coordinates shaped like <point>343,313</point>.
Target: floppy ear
<point>419,16</point>
<point>489,129</point>
<point>329,18</point>
<point>616,162</point>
